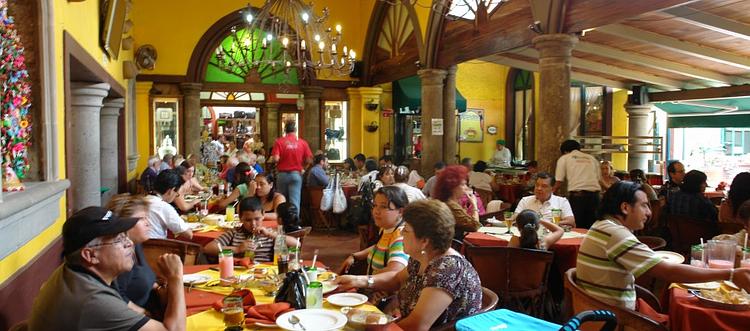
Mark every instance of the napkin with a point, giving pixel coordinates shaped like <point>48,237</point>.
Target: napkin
<point>248,299</point>
<point>267,313</point>
<point>644,308</point>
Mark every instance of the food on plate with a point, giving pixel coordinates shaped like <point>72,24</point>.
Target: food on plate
<point>725,296</point>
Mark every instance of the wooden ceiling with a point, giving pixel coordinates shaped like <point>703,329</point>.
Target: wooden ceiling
<point>693,45</point>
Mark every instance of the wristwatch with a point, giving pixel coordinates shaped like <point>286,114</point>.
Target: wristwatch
<point>370,281</point>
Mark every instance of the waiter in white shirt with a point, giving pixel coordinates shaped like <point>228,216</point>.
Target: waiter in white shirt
<point>502,156</point>
<point>543,201</point>
<point>582,173</point>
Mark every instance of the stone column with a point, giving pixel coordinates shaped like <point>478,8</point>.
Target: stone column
<point>191,119</point>
<point>450,145</point>
<point>638,126</point>
<point>553,115</point>
<point>109,162</point>
<point>272,123</point>
<point>432,108</point>
<point>82,127</point>
<point>311,116</point>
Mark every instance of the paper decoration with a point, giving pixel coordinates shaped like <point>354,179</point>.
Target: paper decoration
<point>15,101</point>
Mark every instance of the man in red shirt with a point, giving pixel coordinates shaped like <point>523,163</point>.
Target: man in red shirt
<point>291,154</point>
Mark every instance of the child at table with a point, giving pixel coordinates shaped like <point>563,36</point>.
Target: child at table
<point>528,222</point>
<point>250,236</point>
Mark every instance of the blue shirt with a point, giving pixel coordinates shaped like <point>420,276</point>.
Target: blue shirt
<point>318,177</point>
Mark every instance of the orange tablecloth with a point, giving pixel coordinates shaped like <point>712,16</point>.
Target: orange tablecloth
<point>686,314</point>
<point>203,238</point>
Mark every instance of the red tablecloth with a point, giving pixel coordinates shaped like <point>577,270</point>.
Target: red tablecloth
<point>203,238</point>
<point>686,314</point>
<point>566,250</point>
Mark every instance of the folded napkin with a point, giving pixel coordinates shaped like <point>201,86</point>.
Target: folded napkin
<point>248,299</point>
<point>644,308</point>
<point>267,313</point>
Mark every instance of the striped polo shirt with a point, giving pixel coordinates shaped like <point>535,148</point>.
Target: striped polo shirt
<point>390,248</point>
<point>236,236</point>
<point>609,260</point>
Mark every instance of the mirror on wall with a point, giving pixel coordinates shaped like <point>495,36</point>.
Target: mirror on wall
<point>165,123</point>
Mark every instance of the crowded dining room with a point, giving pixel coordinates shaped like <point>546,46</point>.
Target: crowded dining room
<point>417,165</point>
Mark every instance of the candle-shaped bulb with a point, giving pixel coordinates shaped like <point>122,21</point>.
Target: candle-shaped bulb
<point>269,37</point>
<point>285,41</point>
<point>303,45</point>
<point>352,54</point>
<point>333,48</point>
<point>317,38</point>
<point>288,64</point>
<point>305,17</point>
<point>264,43</point>
<point>338,28</point>
<point>246,42</point>
<point>346,50</point>
<point>249,17</point>
<point>321,45</point>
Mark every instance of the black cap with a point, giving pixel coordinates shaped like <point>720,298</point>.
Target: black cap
<point>90,223</point>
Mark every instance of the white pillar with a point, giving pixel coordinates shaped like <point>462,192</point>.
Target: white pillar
<point>638,126</point>
<point>109,156</point>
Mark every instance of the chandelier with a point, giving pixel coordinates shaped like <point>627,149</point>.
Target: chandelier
<point>284,38</point>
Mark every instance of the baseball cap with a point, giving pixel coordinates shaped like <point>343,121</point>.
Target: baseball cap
<point>90,223</point>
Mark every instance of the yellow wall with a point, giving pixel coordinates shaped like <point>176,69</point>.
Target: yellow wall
<point>80,19</point>
<point>620,127</point>
<point>483,86</point>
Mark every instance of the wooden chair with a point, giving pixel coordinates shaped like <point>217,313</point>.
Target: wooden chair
<point>730,228</point>
<point>154,248</point>
<point>300,234</point>
<point>457,245</point>
<point>577,300</point>
<point>319,217</point>
<point>485,195</point>
<point>489,302</point>
<point>687,231</point>
<point>518,276</point>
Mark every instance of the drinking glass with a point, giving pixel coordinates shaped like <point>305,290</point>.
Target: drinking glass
<point>230,214</point>
<point>698,256</point>
<point>721,254</point>
<point>556,216</point>
<point>745,262</point>
<point>314,297</point>
<point>234,314</point>
<point>508,218</point>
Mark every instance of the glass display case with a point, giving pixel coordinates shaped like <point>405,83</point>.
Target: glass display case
<point>335,130</point>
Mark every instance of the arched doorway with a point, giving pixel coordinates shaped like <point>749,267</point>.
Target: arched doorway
<point>519,114</point>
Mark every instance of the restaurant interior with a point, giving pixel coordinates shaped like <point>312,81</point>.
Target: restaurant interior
<point>98,92</point>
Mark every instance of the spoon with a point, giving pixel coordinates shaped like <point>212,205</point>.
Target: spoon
<point>295,320</point>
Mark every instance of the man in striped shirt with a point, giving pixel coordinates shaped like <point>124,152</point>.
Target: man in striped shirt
<point>611,257</point>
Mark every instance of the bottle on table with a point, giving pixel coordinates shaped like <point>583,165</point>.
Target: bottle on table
<point>281,252</point>
<point>294,258</point>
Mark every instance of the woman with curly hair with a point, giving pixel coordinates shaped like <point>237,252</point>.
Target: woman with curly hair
<point>450,188</point>
<point>739,192</point>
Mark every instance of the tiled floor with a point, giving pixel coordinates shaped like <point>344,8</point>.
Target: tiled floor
<point>334,246</point>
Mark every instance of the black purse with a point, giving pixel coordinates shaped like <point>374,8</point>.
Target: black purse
<point>292,290</point>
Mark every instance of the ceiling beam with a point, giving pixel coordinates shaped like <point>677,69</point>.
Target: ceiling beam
<point>734,91</point>
<point>677,45</point>
<point>657,63</point>
<point>666,83</point>
<point>531,66</point>
<point>587,14</point>
<point>711,22</point>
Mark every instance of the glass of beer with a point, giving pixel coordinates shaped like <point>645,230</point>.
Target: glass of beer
<point>556,216</point>
<point>234,314</point>
<point>508,218</point>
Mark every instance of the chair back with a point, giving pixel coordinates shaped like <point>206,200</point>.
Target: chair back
<point>730,228</point>
<point>300,234</point>
<point>319,218</point>
<point>485,195</point>
<point>518,276</point>
<point>686,231</point>
<point>577,300</point>
<point>489,302</point>
<point>496,206</point>
<point>154,248</point>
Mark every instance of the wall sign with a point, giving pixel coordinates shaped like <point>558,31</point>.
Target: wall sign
<point>470,125</point>
<point>437,126</point>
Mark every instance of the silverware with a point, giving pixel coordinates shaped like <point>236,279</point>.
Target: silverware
<point>295,320</point>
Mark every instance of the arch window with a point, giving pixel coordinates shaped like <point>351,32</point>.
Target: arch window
<point>520,114</point>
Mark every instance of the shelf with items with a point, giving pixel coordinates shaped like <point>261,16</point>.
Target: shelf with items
<point>237,129</point>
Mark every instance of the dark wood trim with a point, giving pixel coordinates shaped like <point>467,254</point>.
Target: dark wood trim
<point>91,71</point>
<point>733,91</point>
<point>17,294</point>
<point>371,39</point>
<point>196,71</point>
<point>435,28</point>
<point>589,14</point>
<point>510,113</point>
<point>161,78</point>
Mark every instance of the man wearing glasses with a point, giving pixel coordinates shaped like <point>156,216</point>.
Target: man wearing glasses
<point>78,295</point>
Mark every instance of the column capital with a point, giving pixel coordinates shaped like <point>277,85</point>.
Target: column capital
<point>190,88</point>
<point>451,71</point>
<point>554,45</point>
<point>311,91</point>
<point>387,87</point>
<point>273,105</point>
<point>364,91</point>
<point>114,103</point>
<point>88,94</point>
<point>143,87</point>
<point>432,76</point>
<point>637,110</point>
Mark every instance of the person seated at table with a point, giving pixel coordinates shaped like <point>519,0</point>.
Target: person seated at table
<point>250,236</point>
<point>676,173</point>
<point>386,176</point>
<point>451,188</point>
<point>530,177</point>
<point>690,201</point>
<point>252,160</point>
<point>430,184</point>
<point>739,192</point>
<point>543,201</point>
<point>371,167</point>
<point>387,255</point>
<point>189,186</point>
<point>78,296</point>
<point>317,176</point>
<point>480,180</point>
<point>527,222</point>
<point>608,175</point>
<point>288,217</point>
<point>161,214</point>
<point>743,217</point>
<point>467,163</point>
<point>349,166</point>
<point>639,177</point>
<point>137,285</point>
<point>243,183</point>
<point>401,176</point>
<point>415,179</point>
<point>385,161</point>
<point>359,162</point>
<point>439,285</point>
<point>610,257</point>
<point>149,175</point>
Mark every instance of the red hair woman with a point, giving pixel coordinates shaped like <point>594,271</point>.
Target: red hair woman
<point>450,188</point>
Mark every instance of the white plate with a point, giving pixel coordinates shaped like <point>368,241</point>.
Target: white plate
<point>670,257</point>
<point>702,286</point>
<point>329,287</point>
<point>347,299</point>
<point>195,279</point>
<point>313,319</point>
<point>196,226</point>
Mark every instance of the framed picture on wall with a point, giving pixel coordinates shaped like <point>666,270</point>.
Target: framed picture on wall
<point>471,126</point>
<point>112,23</point>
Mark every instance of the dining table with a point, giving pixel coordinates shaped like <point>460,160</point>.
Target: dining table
<point>200,299</point>
<point>686,313</point>
<point>206,233</point>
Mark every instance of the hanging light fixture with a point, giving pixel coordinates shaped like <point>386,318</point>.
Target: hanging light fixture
<point>283,36</point>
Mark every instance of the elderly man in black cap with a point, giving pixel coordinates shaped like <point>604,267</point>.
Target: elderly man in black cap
<point>78,295</point>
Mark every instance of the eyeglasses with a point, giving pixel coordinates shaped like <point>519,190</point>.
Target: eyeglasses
<point>122,239</point>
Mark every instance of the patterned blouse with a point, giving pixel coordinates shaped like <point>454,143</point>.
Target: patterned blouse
<point>451,273</point>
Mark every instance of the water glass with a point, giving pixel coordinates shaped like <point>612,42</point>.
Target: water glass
<point>234,314</point>
<point>230,214</point>
<point>745,262</point>
<point>698,256</point>
<point>314,296</point>
<point>721,254</point>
